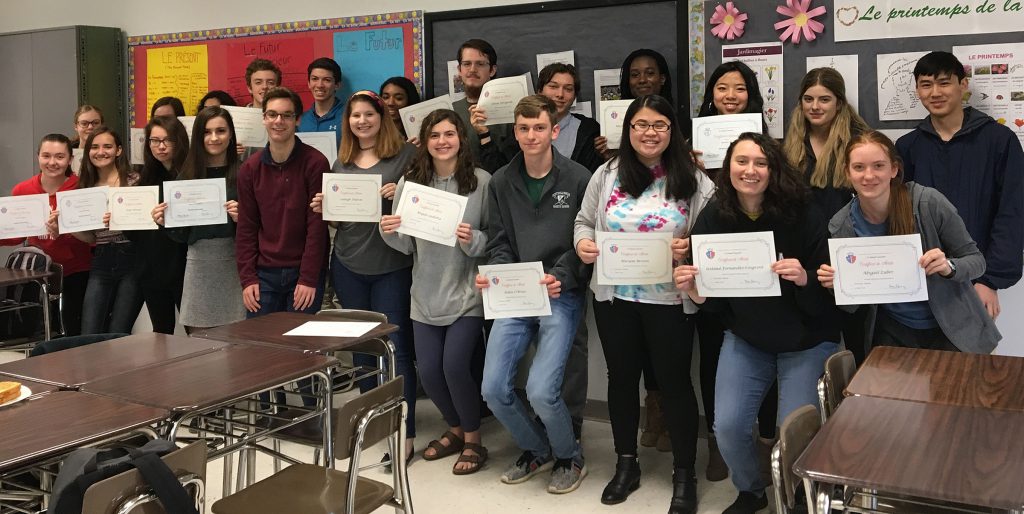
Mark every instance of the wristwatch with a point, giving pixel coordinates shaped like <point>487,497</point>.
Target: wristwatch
<point>952,268</point>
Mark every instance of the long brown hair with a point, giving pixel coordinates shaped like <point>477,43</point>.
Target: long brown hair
<point>847,124</point>
<point>197,159</point>
<point>422,170</point>
<point>153,171</point>
<point>389,139</point>
<point>89,175</point>
<point>901,207</point>
<point>786,195</point>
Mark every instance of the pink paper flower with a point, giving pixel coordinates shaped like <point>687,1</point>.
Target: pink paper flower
<point>800,21</point>
<point>728,22</point>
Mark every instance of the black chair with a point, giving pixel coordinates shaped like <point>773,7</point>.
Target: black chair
<point>66,343</point>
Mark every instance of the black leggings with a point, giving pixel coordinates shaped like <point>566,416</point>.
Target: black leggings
<point>444,357</point>
<point>73,295</point>
<point>630,332</point>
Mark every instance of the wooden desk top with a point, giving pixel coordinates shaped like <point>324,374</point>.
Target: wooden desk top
<point>76,366</point>
<point>36,387</point>
<point>267,331</point>
<point>50,424</point>
<point>932,376</point>
<point>945,452</point>
<point>204,380</point>
<point>9,277</point>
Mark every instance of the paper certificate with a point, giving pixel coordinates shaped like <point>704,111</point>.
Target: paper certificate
<point>633,258</point>
<point>713,134</point>
<point>872,270</point>
<point>500,96</point>
<point>249,129</point>
<point>131,208</point>
<point>192,203</point>
<point>188,122</point>
<point>81,209</point>
<point>412,116</point>
<point>352,197</point>
<point>76,160</point>
<point>430,214</point>
<point>612,115</point>
<point>735,265</point>
<point>325,142</point>
<point>515,291</point>
<point>24,216</point>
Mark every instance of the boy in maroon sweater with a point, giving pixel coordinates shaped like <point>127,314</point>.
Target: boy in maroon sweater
<point>280,243</point>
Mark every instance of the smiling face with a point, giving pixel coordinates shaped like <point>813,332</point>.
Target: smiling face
<point>86,124</point>
<point>322,84</point>
<point>443,141</point>
<point>161,145</point>
<point>730,93</point>
<point>942,95</point>
<point>261,82</point>
<point>54,158</point>
<point>645,78</point>
<point>364,121</point>
<point>104,151</point>
<point>561,89</point>
<point>281,120</point>
<point>394,98</point>
<point>648,143</point>
<point>748,172</point>
<point>216,137</point>
<point>871,171</point>
<point>819,106</point>
<point>535,134</point>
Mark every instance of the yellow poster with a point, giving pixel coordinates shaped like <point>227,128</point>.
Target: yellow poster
<point>179,71</point>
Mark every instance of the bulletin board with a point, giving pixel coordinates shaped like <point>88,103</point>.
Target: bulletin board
<point>189,64</point>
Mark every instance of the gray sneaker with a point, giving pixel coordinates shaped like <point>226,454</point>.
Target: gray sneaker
<point>567,475</point>
<point>525,467</point>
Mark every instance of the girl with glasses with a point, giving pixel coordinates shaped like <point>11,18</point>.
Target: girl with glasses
<point>87,119</point>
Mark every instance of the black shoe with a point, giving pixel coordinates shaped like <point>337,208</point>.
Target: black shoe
<point>747,503</point>
<point>386,460</point>
<point>684,492</point>
<point>625,481</point>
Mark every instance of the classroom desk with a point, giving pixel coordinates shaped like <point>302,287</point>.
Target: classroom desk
<point>13,277</point>
<point>932,376</point>
<point>931,451</point>
<point>71,368</point>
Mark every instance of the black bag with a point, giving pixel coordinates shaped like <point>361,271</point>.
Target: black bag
<point>20,323</point>
<point>86,466</point>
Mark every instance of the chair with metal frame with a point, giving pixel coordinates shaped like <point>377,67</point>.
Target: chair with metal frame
<point>310,489</point>
<point>795,434</point>
<point>839,370</point>
<point>128,493</point>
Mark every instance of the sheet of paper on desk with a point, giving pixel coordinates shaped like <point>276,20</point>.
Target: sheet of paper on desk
<point>333,328</point>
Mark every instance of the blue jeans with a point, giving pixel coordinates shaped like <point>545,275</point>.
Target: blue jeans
<point>745,374</point>
<point>113,295</point>
<point>387,293</point>
<point>506,346</point>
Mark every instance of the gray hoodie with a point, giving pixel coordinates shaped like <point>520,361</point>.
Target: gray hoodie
<point>953,301</point>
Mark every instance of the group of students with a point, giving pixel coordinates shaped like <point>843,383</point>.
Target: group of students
<point>539,190</point>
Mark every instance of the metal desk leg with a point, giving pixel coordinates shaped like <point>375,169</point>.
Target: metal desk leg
<point>250,453</point>
<point>229,458</point>
<point>810,495</point>
<point>44,301</point>
<point>328,404</point>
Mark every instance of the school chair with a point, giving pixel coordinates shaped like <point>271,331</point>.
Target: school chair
<point>128,492</point>
<point>362,422</point>
<point>839,370</point>
<point>796,433</point>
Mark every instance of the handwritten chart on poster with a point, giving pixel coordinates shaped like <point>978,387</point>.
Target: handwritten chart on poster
<point>188,64</point>
<point>996,82</point>
<point>179,71</point>
<point>897,95</point>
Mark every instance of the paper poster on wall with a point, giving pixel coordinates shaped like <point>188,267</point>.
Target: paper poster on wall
<point>871,19</point>
<point>369,57</point>
<point>996,82</point>
<point>606,84</point>
<point>566,57</point>
<point>138,144</point>
<point>766,61</point>
<point>291,55</point>
<point>897,96</point>
<point>456,89</point>
<point>846,65</point>
<point>178,71</point>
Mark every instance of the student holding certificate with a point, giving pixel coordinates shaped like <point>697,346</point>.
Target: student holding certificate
<point>54,157</point>
<point>447,313</point>
<point>644,72</point>
<point>113,296</point>
<point>785,337</point>
<point>399,92</point>
<point>954,317</point>
<point>211,293</point>
<point>651,186</point>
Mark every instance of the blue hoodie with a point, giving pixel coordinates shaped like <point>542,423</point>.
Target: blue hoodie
<point>981,171</point>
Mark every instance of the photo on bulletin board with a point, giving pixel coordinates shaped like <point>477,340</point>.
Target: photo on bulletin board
<point>186,65</point>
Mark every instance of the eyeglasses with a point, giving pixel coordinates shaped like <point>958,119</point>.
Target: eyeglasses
<point>474,64</point>
<point>160,142</point>
<point>658,126</point>
<point>87,124</point>
<point>274,115</point>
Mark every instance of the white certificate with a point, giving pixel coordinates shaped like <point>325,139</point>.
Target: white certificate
<point>500,96</point>
<point>412,116</point>
<point>713,134</point>
<point>81,209</point>
<point>515,291</point>
<point>872,270</point>
<point>429,213</point>
<point>351,197</point>
<point>633,258</point>
<point>612,116</point>
<point>325,142</point>
<point>24,216</point>
<point>735,265</point>
<point>192,203</point>
<point>566,57</point>
<point>248,121</point>
<point>188,122</point>
<point>76,159</point>
<point>131,208</point>
<point>138,145</point>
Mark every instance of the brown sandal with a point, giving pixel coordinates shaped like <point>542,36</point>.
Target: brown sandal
<point>477,460</point>
<point>455,445</point>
